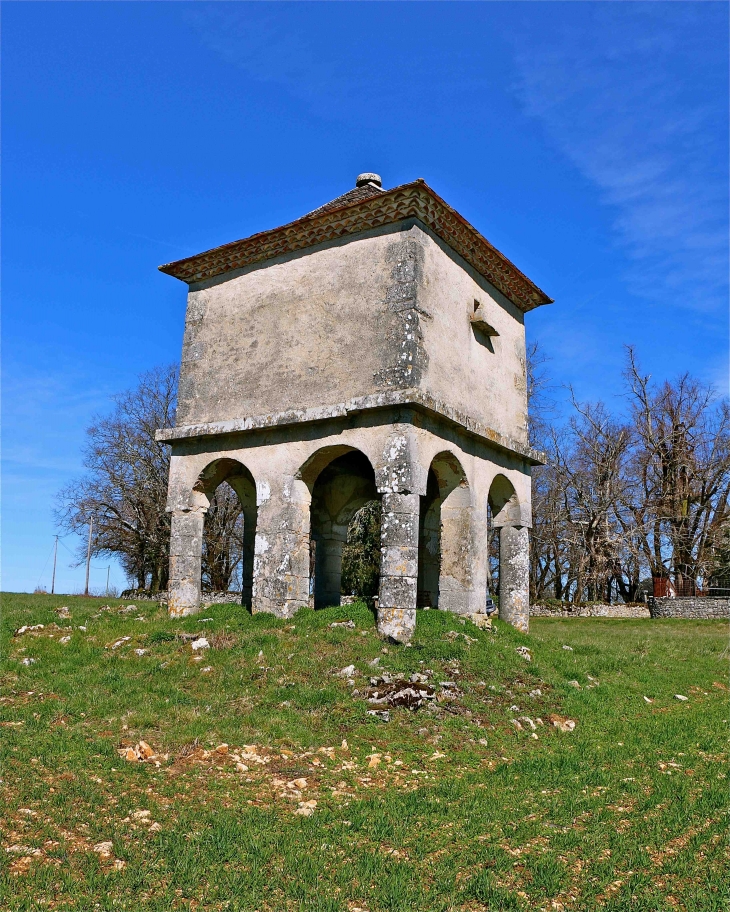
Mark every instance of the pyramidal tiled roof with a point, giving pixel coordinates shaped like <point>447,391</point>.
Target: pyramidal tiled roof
<point>368,206</point>
<point>356,195</point>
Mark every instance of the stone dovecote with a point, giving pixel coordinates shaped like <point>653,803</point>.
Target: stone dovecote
<point>373,349</point>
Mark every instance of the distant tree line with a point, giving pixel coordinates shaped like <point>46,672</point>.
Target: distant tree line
<point>124,489</point>
<point>624,496</point>
<point>632,495</point>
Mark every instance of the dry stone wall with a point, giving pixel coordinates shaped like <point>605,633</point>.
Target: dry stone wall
<point>604,611</point>
<point>703,607</point>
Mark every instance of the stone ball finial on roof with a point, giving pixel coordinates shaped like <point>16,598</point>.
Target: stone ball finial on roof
<point>368,178</point>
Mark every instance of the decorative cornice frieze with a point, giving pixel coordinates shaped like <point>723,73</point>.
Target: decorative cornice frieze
<point>408,398</point>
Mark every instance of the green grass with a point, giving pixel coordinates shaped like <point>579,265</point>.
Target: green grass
<point>626,812</point>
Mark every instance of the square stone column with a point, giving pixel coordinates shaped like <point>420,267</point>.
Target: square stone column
<point>281,553</point>
<point>457,557</point>
<point>398,566</point>
<point>514,576</point>
<point>186,551</point>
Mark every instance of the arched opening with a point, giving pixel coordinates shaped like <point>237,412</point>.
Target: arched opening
<point>444,553</point>
<point>226,493</point>
<point>502,510</point>
<point>345,522</point>
<point>513,574</point>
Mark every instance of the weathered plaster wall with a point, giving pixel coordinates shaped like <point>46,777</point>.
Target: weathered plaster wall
<point>482,376</point>
<point>386,311</point>
<point>309,330</point>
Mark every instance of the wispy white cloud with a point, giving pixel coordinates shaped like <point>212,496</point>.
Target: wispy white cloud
<point>334,71</point>
<point>628,94</point>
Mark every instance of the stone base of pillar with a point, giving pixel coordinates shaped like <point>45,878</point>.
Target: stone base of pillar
<point>183,598</point>
<point>397,624</point>
<point>186,542</point>
<point>514,576</point>
<point>398,567</point>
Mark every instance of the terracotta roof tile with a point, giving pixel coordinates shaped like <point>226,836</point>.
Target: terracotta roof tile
<point>356,195</point>
<point>359,210</point>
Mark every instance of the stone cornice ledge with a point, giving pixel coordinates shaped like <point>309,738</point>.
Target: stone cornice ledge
<point>415,398</point>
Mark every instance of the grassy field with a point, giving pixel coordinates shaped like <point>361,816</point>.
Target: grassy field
<point>309,803</point>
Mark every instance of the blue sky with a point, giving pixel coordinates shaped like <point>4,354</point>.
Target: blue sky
<point>588,141</point>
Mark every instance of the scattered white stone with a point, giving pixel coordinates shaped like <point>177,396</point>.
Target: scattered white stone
<point>382,714</point>
<point>28,628</point>
<point>535,693</point>
<point>517,725</point>
<point>514,709</point>
<point>524,652</point>
<point>681,697</point>
<point>120,642</point>
<point>564,725</point>
<point>569,648</point>
<point>63,612</point>
<point>349,625</point>
<point>347,672</point>
<point>375,662</point>
<point>140,652</point>
<point>528,721</point>
<point>104,849</point>
<point>82,628</point>
<point>306,808</point>
<point>141,815</point>
<point>200,643</point>
<point>28,661</point>
<point>418,678</point>
<point>574,684</point>
<point>648,700</point>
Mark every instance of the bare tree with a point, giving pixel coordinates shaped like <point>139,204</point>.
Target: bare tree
<point>681,465</point>
<point>124,487</point>
<point>223,541</point>
<point>590,467</point>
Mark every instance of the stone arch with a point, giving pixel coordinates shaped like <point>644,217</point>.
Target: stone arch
<point>504,505</point>
<point>445,537</point>
<point>240,479</point>
<point>341,480</point>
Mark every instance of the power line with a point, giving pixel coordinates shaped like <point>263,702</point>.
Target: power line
<point>44,567</point>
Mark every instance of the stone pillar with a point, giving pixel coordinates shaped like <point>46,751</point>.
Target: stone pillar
<point>455,577</point>
<point>514,576</point>
<point>186,551</point>
<point>281,554</point>
<point>398,566</point>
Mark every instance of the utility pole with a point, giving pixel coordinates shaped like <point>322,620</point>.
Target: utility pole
<point>107,579</point>
<point>53,579</point>
<point>88,556</point>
